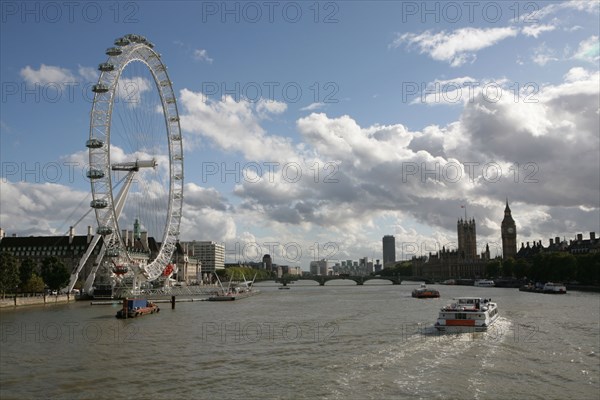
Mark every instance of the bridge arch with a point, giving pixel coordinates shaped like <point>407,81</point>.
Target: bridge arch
<point>374,281</point>
<point>340,282</point>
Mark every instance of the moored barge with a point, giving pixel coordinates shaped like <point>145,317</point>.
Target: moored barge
<point>136,307</point>
<point>550,287</point>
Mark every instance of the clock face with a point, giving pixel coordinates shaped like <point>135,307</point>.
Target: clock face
<point>511,230</point>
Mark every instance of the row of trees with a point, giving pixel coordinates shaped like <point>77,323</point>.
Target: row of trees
<point>403,268</point>
<point>28,277</point>
<point>237,273</point>
<point>544,267</point>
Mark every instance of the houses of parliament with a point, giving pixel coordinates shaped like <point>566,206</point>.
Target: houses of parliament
<point>464,262</point>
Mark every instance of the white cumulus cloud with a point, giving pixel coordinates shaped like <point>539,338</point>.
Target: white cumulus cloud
<point>47,74</point>
<point>589,50</point>
<point>202,55</point>
<point>456,47</point>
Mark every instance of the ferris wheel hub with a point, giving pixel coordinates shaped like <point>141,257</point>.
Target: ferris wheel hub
<point>135,165</point>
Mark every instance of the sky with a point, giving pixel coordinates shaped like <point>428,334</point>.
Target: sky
<point>313,129</point>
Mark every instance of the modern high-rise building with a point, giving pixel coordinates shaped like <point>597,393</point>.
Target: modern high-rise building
<point>467,239</point>
<point>268,262</point>
<point>509,234</point>
<point>211,254</point>
<point>389,250</point>
<point>321,267</point>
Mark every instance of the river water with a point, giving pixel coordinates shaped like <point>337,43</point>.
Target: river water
<point>333,342</point>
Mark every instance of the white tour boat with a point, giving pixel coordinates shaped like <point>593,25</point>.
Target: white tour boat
<point>484,283</point>
<point>554,288</point>
<point>467,314</point>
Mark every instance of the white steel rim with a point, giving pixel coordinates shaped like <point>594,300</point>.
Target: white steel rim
<point>99,157</point>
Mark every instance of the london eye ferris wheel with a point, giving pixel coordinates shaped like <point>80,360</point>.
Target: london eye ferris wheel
<point>135,156</point>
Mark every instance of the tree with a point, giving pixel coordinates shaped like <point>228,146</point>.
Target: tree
<point>238,273</point>
<point>588,268</point>
<point>492,269</point>
<point>79,284</point>
<point>287,277</point>
<point>35,284</point>
<point>508,267</point>
<point>565,265</point>
<point>403,268</point>
<point>26,270</point>
<point>54,273</point>
<point>539,270</point>
<point>555,267</point>
<point>9,272</point>
<point>522,268</point>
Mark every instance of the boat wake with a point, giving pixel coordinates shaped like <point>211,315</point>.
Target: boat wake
<point>500,331</point>
<point>411,368</point>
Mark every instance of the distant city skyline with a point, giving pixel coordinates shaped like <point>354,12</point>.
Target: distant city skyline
<point>312,135</point>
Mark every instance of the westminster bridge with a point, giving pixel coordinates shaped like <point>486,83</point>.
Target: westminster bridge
<point>360,280</point>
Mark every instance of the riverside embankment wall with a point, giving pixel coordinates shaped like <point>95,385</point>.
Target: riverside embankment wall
<point>36,300</point>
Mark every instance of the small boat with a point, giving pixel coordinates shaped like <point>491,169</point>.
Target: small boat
<point>554,288</point>
<point>467,314</point>
<point>221,297</point>
<point>530,288</point>
<point>549,287</point>
<point>425,293</point>
<point>135,307</point>
<point>484,283</point>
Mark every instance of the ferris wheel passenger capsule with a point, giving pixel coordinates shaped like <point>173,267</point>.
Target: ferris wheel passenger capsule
<point>132,37</point>
<point>122,41</point>
<point>94,144</point>
<point>114,51</point>
<point>100,88</point>
<point>105,67</point>
<point>112,253</point>
<point>99,203</point>
<point>104,230</point>
<point>95,173</point>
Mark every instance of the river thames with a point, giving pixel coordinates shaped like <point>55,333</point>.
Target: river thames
<point>333,342</point>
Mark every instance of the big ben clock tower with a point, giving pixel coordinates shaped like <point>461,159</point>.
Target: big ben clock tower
<point>509,234</point>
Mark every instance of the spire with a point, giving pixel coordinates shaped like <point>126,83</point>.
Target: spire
<point>507,209</point>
